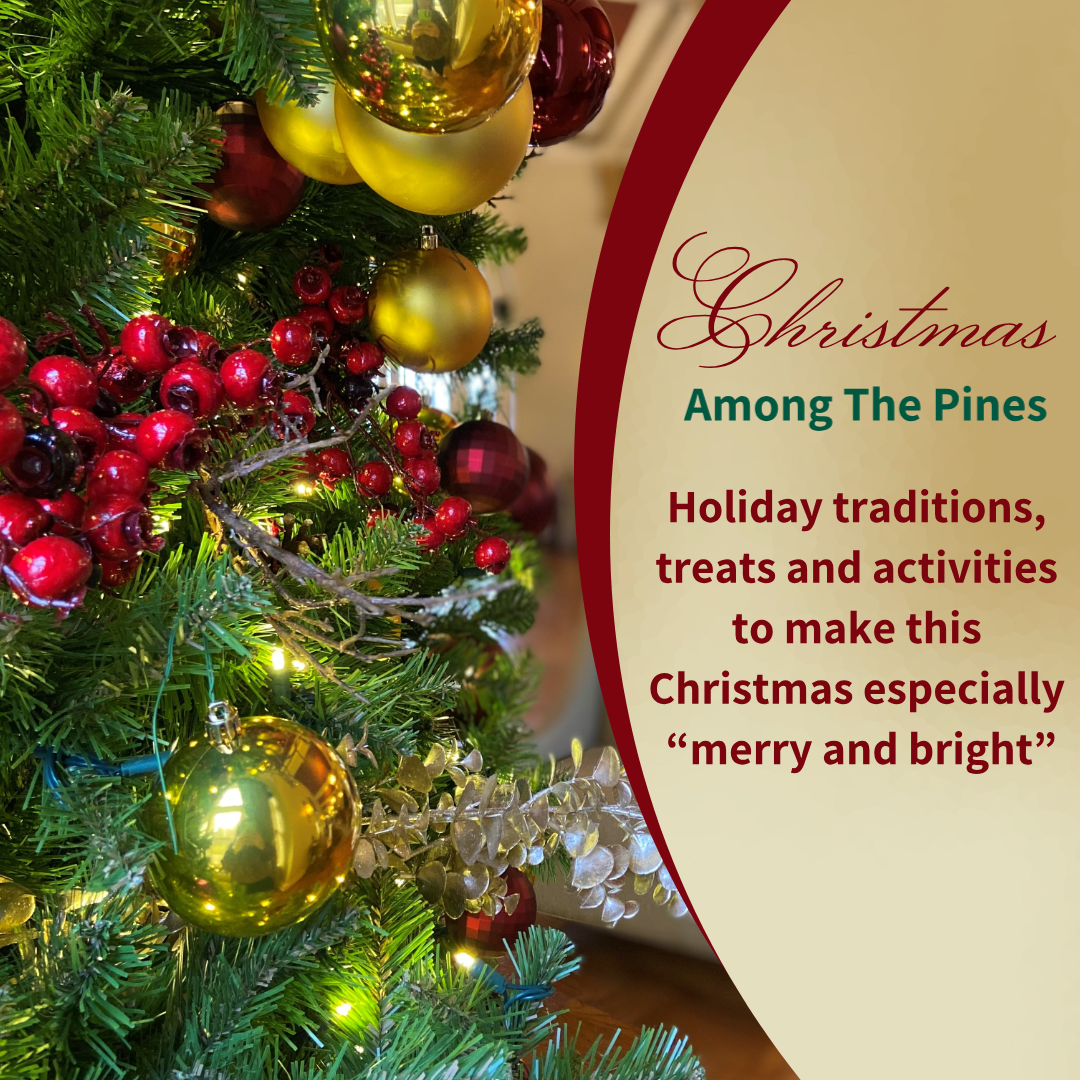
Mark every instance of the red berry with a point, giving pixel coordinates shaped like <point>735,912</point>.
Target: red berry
<point>319,319</point>
<point>292,341</point>
<point>122,430</point>
<point>142,341</point>
<point>375,516</point>
<point>333,464</point>
<point>348,304</point>
<point>47,464</point>
<point>50,568</point>
<point>22,519</point>
<point>424,474</point>
<point>12,431</point>
<point>374,479</point>
<point>412,439</point>
<point>171,439</point>
<point>208,349</point>
<point>300,412</point>
<point>68,511</point>
<point>116,574</point>
<point>492,554</point>
<point>65,381</point>
<point>122,380</point>
<point>118,472</point>
<point>12,353</point>
<point>192,388</point>
<point>119,527</point>
<point>433,537</point>
<point>452,516</point>
<point>313,285</point>
<point>89,431</point>
<point>331,255</point>
<point>403,403</point>
<point>363,356</point>
<point>249,379</point>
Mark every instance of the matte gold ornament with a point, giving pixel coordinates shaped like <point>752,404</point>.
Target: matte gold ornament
<point>430,309</point>
<point>264,823</point>
<point>308,138</point>
<point>430,65</point>
<point>437,174</point>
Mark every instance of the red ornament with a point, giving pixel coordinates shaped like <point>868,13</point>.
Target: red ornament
<point>573,68</point>
<point>348,304</point>
<point>12,353</point>
<point>534,508</point>
<point>89,431</point>
<point>487,933</point>
<point>192,388</point>
<point>249,379</point>
<point>412,439</point>
<point>452,516</point>
<point>47,464</point>
<point>373,479</point>
<point>492,555</point>
<point>68,511</point>
<point>484,462</point>
<point>119,527</point>
<point>300,412</point>
<point>122,379</point>
<point>423,474</point>
<point>51,568</point>
<point>12,431</point>
<point>292,341</point>
<point>312,285</point>
<point>403,403</point>
<point>22,519</point>
<point>170,439</point>
<point>65,381</point>
<point>363,356</point>
<point>333,464</point>
<point>255,188</point>
<point>116,574</point>
<point>123,430</point>
<point>433,537</point>
<point>118,472</point>
<point>319,319</point>
<point>142,341</point>
<point>375,516</point>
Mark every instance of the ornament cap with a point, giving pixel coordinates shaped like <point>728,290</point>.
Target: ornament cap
<point>222,725</point>
<point>429,239</point>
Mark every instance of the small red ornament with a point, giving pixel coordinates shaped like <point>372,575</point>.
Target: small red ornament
<point>123,430</point>
<point>363,356</point>
<point>301,414</point>
<point>423,474</point>
<point>412,439</point>
<point>192,388</point>
<point>452,516</point>
<point>12,353</point>
<point>487,933</point>
<point>12,431</point>
<point>51,568</point>
<point>433,537</point>
<point>319,319</point>
<point>332,255</point>
<point>89,431</point>
<point>249,379</point>
<point>116,574</point>
<point>312,285</point>
<point>534,508</point>
<point>170,439</point>
<point>292,341</point>
<point>68,512</point>
<point>122,379</point>
<point>118,472</point>
<point>47,464</point>
<point>22,519</point>
<point>333,464</point>
<point>348,304</point>
<point>119,527</point>
<point>207,348</point>
<point>403,403</point>
<point>484,462</point>
<point>142,341</point>
<point>492,555</point>
<point>255,188</point>
<point>374,478</point>
<point>375,516</point>
<point>65,381</point>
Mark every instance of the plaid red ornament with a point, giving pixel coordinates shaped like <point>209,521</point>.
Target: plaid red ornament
<point>485,463</point>
<point>486,933</point>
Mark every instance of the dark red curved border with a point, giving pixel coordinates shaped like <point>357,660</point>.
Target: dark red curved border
<point>721,40</point>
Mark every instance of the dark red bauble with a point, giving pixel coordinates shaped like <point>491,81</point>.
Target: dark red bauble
<point>123,430</point>
<point>89,431</point>
<point>492,555</point>
<point>312,285</point>
<point>170,439</point>
<point>68,511</point>
<point>373,479</point>
<point>192,388</point>
<point>348,304</point>
<point>65,381</point>
<point>319,319</point>
<point>423,474</point>
<point>12,353</point>
<point>47,464</point>
<point>116,574</point>
<point>487,933</point>
<point>534,508</point>
<point>292,341</point>
<point>573,68</point>
<point>22,519</point>
<point>255,188</point>
<point>301,414</point>
<point>412,439</point>
<point>249,379</point>
<point>433,537</point>
<point>50,568</point>
<point>12,431</point>
<point>118,472</point>
<point>363,356</point>
<point>122,379</point>
<point>403,403</point>
<point>119,527</point>
<point>484,462</point>
<point>452,516</point>
<point>143,342</point>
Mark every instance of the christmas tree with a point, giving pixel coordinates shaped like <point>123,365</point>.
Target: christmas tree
<point>262,761</point>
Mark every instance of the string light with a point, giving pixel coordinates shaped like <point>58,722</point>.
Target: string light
<point>344,1008</point>
<point>277,659</point>
<point>305,489</point>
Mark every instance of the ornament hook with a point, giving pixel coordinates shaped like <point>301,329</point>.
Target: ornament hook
<point>222,725</point>
<point>429,238</point>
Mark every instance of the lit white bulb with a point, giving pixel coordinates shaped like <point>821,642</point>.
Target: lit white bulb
<point>277,659</point>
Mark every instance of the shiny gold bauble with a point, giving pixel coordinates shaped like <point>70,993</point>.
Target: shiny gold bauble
<point>430,65</point>
<point>437,174</point>
<point>436,421</point>
<point>265,833</point>
<point>17,904</point>
<point>308,138</point>
<point>430,310</point>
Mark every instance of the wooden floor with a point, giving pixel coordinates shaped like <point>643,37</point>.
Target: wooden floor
<point>626,984</point>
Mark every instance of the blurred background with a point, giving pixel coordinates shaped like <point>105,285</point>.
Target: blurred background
<point>655,968</point>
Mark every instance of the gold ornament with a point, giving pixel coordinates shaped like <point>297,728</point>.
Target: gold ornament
<point>176,244</point>
<point>430,309</point>
<point>308,138</point>
<point>437,174</point>
<point>436,421</point>
<point>264,826</point>
<point>17,904</point>
<point>430,65</point>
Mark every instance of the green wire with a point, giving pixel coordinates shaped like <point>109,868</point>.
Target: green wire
<point>154,734</point>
